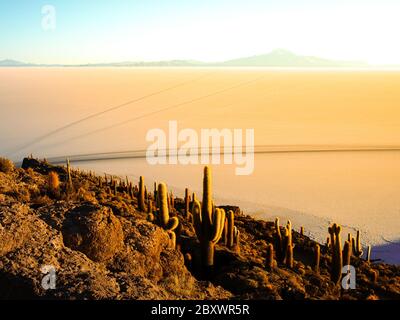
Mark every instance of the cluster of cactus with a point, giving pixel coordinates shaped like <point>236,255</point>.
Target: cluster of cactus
<point>336,248</point>
<point>208,221</point>
<point>284,244</point>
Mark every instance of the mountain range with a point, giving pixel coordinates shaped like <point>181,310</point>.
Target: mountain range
<point>276,58</point>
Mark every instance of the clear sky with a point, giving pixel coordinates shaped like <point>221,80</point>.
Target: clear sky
<point>209,30</point>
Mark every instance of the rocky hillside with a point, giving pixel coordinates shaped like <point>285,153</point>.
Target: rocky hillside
<point>106,239</point>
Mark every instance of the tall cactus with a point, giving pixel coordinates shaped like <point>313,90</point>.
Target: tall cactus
<point>278,242</point>
<point>236,240</point>
<point>165,221</point>
<point>155,192</point>
<point>346,253</point>
<point>141,195</point>
<point>289,246</point>
<point>224,237</point>
<point>357,248</point>
<point>208,224</point>
<point>269,263</point>
<point>337,258</point>
<point>231,225</point>
<point>187,203</point>
<point>368,257</point>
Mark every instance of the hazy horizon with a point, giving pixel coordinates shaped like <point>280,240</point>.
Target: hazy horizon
<point>209,31</point>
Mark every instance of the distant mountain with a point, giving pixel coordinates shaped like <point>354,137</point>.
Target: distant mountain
<point>276,58</point>
<point>284,58</point>
<point>12,63</point>
<point>167,63</point>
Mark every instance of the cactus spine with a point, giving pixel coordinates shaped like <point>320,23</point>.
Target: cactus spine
<point>141,195</point>
<point>208,224</point>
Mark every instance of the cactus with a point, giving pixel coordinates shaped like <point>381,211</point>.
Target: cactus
<point>368,258</point>
<point>328,243</point>
<point>224,236</point>
<point>187,203</point>
<point>317,257</point>
<point>194,199</point>
<point>236,239</point>
<point>208,224</point>
<point>172,201</point>
<point>269,263</point>
<point>283,244</point>
<point>172,239</point>
<point>115,187</point>
<point>150,207</point>
<point>346,253</point>
<point>70,186</point>
<point>141,195</point>
<point>100,183</point>
<point>278,241</point>
<point>337,258</point>
<point>231,224</point>
<point>357,248</point>
<point>302,231</point>
<point>289,247</point>
<point>167,223</point>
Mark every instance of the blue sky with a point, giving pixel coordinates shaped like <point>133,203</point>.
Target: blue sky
<point>208,30</point>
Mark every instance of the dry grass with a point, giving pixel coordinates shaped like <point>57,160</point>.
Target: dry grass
<point>53,181</point>
<point>6,165</point>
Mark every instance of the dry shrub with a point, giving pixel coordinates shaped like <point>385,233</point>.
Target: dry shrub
<point>41,200</point>
<point>6,165</point>
<point>53,182</point>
